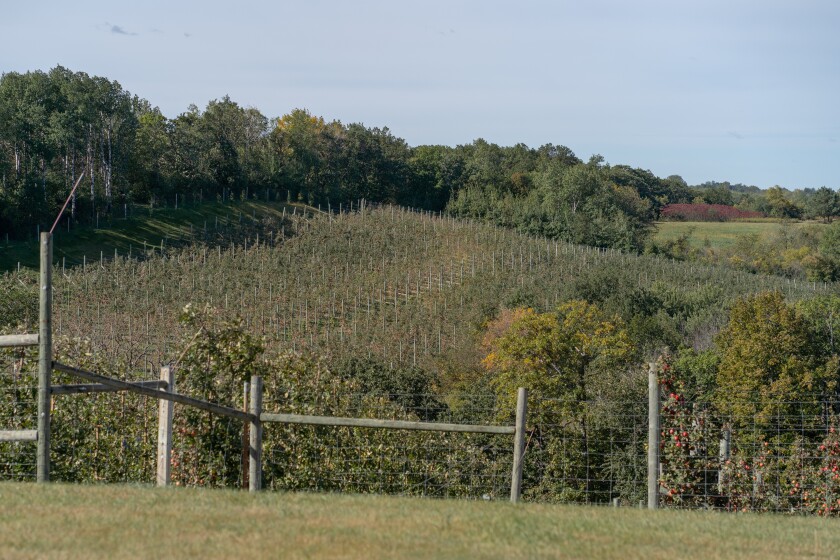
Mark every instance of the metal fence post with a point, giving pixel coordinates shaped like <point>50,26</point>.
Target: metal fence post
<point>519,444</point>
<point>166,410</point>
<point>44,359</point>
<point>653,439</point>
<point>255,436</point>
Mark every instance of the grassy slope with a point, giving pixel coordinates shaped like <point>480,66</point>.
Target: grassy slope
<point>719,235</point>
<point>126,235</point>
<point>60,521</point>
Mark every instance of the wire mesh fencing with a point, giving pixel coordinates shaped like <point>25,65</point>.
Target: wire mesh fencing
<point>388,461</point>
<point>751,456</point>
<point>590,452</point>
<point>102,437</point>
<point>18,411</point>
<point>731,455</point>
<point>779,457</point>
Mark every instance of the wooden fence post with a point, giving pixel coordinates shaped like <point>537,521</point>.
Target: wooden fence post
<point>653,439</point>
<point>245,438</point>
<point>166,410</point>
<point>519,444</point>
<point>723,455</point>
<point>44,359</point>
<point>255,436</point>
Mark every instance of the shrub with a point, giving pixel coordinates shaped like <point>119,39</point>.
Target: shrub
<point>706,213</point>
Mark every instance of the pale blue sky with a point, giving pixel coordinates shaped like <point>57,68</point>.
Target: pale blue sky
<point>739,90</point>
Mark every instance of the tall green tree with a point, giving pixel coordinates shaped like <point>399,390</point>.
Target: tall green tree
<point>565,358</point>
<point>769,363</point>
<point>823,204</point>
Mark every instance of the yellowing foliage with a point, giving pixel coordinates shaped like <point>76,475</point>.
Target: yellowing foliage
<point>768,359</point>
<point>556,354</point>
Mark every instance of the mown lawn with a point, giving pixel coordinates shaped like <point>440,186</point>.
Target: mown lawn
<point>721,235</point>
<point>67,521</point>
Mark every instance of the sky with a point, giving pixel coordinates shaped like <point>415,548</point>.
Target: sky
<point>744,91</point>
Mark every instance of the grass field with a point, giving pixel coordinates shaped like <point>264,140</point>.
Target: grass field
<point>129,234</point>
<point>721,235</point>
<point>62,521</point>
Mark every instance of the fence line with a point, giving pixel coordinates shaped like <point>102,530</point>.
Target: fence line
<point>785,459</point>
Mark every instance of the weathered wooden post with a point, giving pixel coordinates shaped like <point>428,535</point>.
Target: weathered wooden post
<point>245,438</point>
<point>519,444</point>
<point>653,439</point>
<point>166,410</point>
<point>255,436</point>
<point>44,359</point>
<point>723,456</point>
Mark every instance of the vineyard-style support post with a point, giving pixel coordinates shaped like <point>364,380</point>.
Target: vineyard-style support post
<point>653,439</point>
<point>725,441</point>
<point>166,410</point>
<point>255,435</point>
<point>44,359</point>
<point>245,438</point>
<point>519,444</point>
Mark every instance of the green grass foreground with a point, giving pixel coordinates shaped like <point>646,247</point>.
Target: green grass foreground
<point>64,521</point>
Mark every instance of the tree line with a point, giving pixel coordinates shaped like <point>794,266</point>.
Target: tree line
<point>54,125</point>
<point>820,203</point>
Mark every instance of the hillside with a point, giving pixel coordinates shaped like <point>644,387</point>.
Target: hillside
<point>145,226</point>
<point>409,288</point>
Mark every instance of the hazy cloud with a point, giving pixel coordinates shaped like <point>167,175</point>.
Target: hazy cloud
<point>118,29</point>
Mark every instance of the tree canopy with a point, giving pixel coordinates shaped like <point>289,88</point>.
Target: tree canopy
<point>54,125</point>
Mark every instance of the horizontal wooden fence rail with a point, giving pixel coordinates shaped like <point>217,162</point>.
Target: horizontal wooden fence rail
<point>14,340</point>
<point>101,388</point>
<point>256,432</point>
<point>385,424</point>
<point>18,435</point>
<point>149,392</point>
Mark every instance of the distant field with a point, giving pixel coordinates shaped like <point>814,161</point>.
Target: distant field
<point>721,235</point>
<point>62,521</point>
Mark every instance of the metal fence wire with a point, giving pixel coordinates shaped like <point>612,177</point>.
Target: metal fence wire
<point>758,457</point>
<point>18,411</point>
<point>371,460</point>
<point>768,456</point>
<point>736,456</point>
<point>587,452</point>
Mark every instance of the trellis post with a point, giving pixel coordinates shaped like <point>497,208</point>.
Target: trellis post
<point>519,444</point>
<point>653,439</point>
<point>44,359</point>
<point>255,435</point>
<point>246,442</point>
<point>166,411</point>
